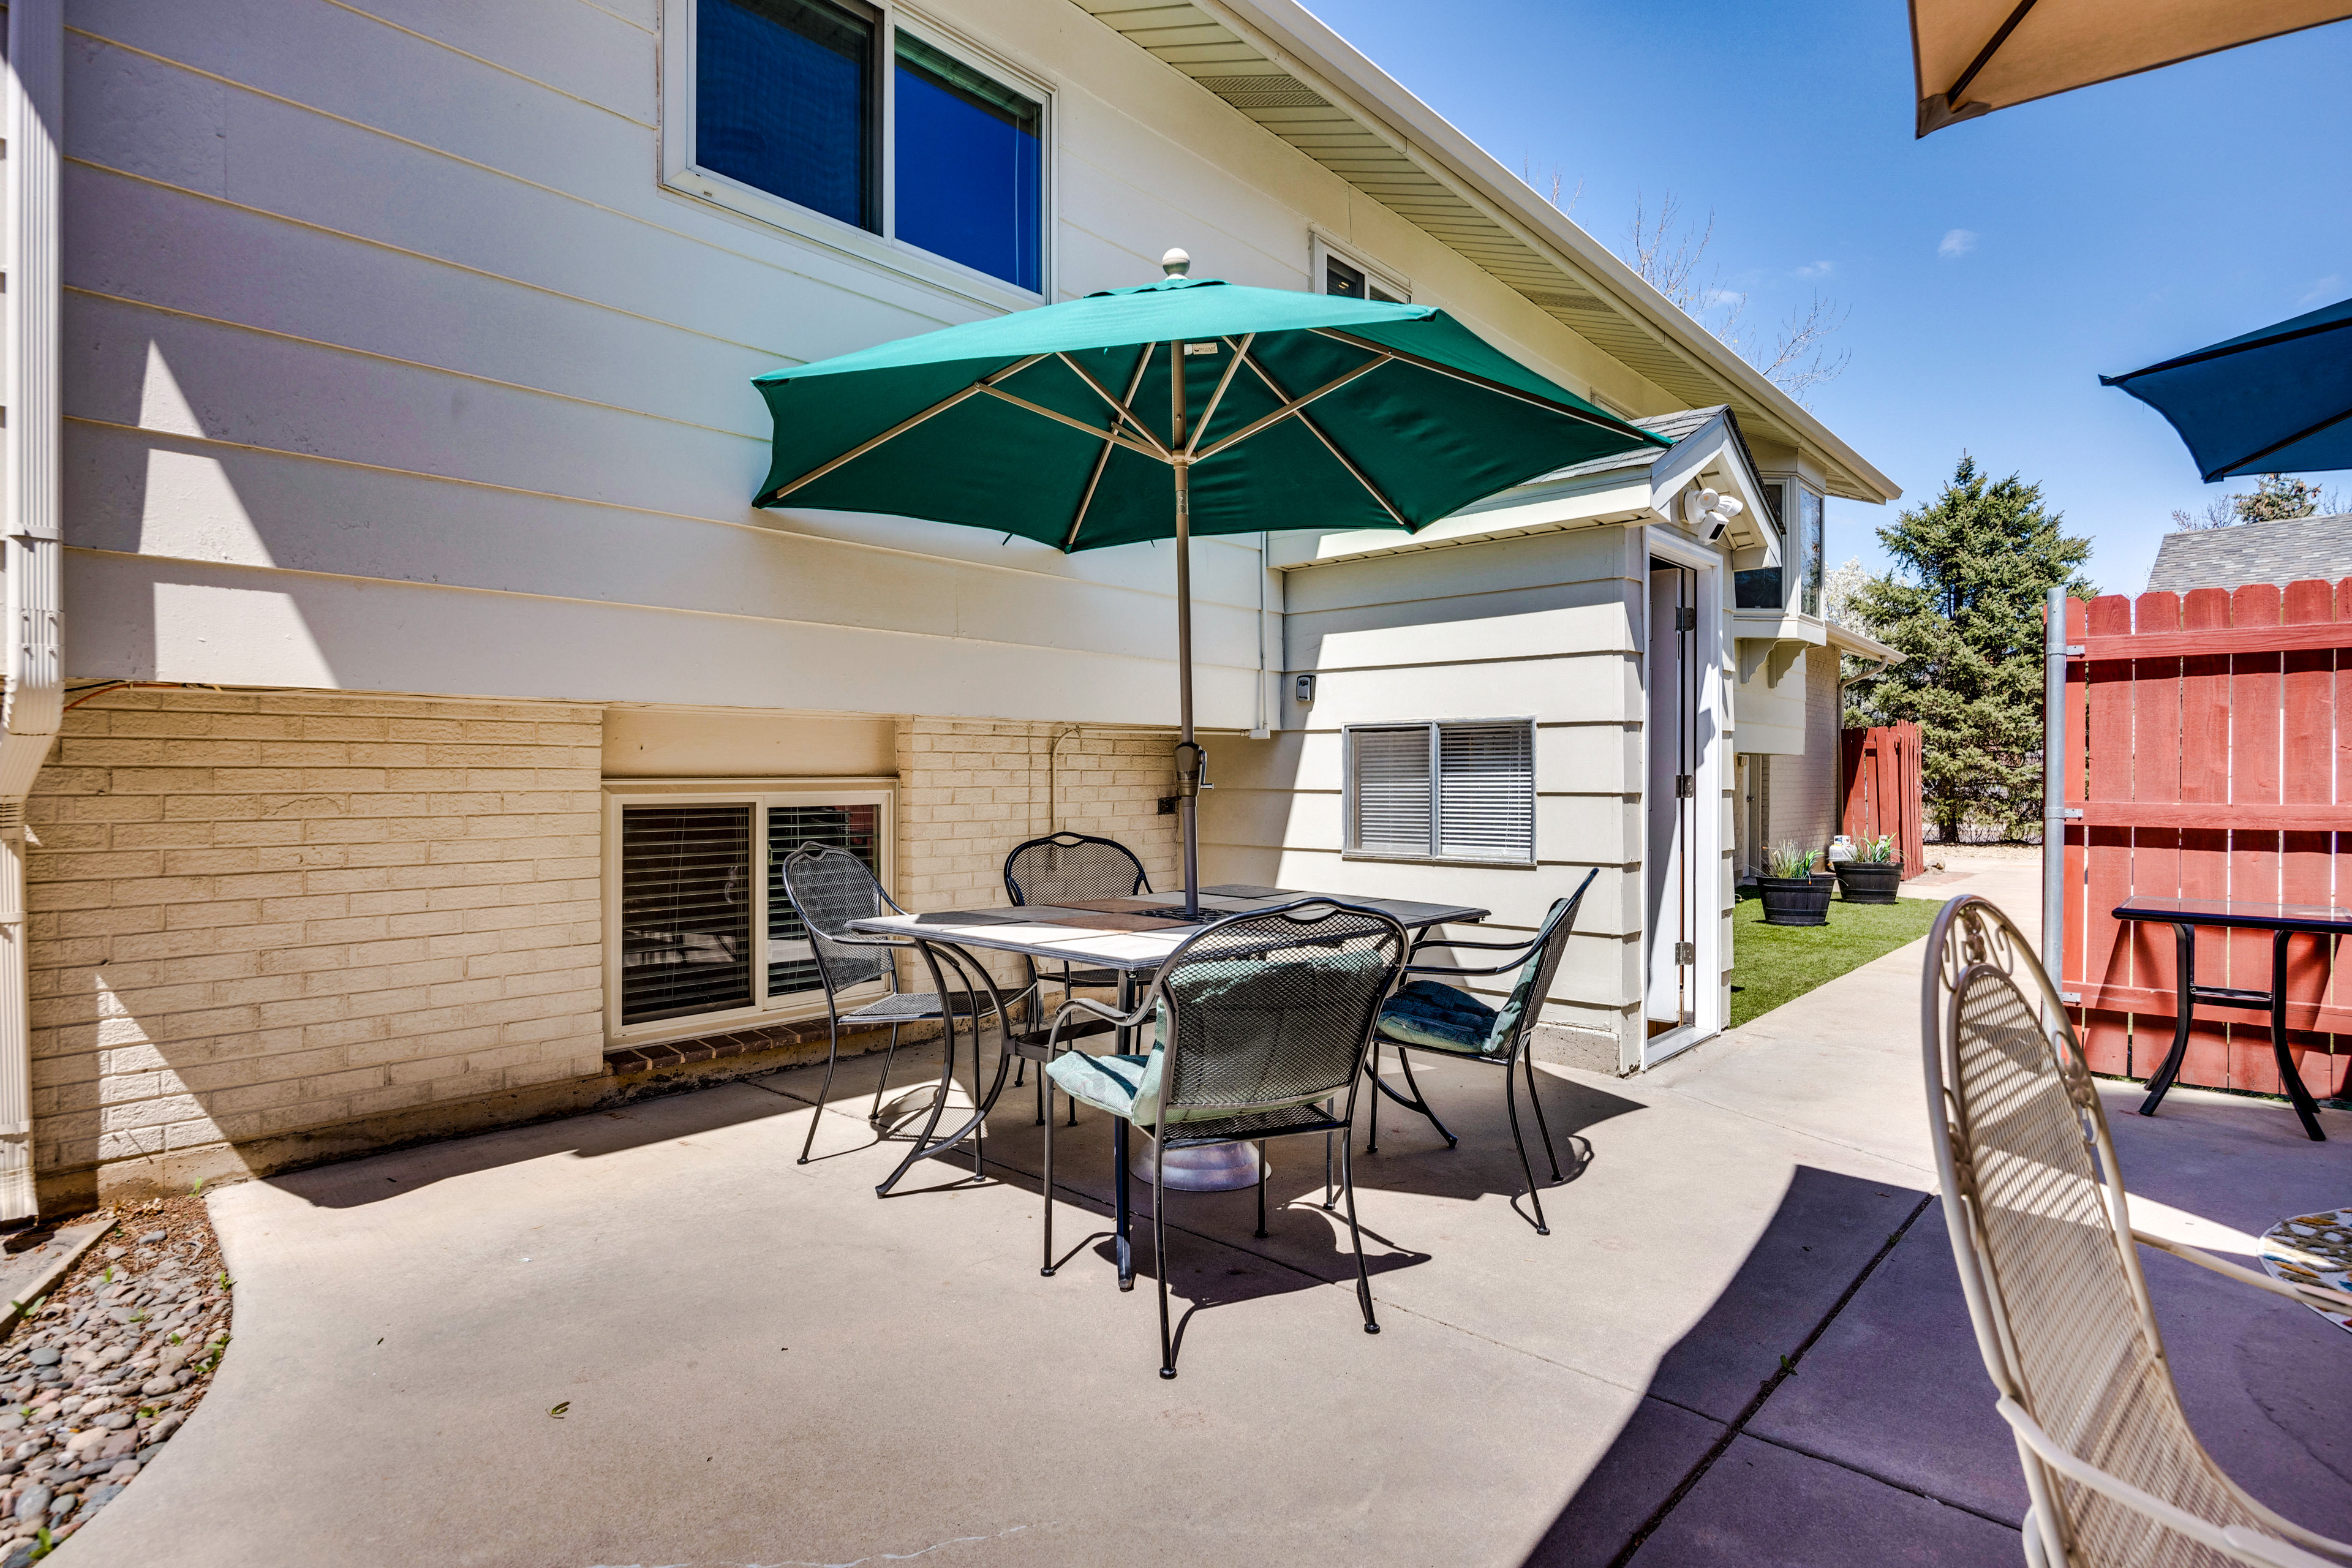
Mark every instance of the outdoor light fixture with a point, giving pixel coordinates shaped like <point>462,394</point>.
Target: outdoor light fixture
<point>1710,510</point>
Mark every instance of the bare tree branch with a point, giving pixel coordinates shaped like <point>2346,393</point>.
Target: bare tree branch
<point>1669,258</point>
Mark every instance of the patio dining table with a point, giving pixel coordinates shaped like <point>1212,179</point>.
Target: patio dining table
<point>1132,937</point>
<point>2283,921</point>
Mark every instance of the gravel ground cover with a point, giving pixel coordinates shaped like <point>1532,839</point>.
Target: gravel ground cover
<point>104,1369</point>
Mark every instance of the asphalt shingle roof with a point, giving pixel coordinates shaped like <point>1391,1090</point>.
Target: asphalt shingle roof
<point>2285,551</point>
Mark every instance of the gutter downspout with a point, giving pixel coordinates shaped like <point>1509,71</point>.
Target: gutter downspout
<point>2053,787</point>
<point>31,708</point>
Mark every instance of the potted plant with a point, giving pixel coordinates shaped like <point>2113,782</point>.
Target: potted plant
<point>1871,877</point>
<point>1791,897</point>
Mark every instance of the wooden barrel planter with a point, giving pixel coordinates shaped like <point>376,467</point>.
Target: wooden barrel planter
<point>1793,901</point>
<point>1871,882</point>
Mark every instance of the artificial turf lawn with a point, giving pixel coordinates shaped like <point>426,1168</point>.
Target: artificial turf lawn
<point>1772,964</point>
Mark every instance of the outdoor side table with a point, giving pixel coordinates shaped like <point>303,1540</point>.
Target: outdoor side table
<point>1131,936</point>
<point>2283,921</point>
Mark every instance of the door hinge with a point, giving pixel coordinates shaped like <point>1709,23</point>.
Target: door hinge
<point>2070,812</point>
<point>1685,619</point>
<point>1686,953</point>
<point>1686,786</point>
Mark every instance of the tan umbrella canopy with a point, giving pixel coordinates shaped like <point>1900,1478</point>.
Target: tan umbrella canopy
<point>1976,56</point>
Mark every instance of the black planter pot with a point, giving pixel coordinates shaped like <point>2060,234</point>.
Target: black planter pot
<point>1793,901</point>
<point>1872,883</point>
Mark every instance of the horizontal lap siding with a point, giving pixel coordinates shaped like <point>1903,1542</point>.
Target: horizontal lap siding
<point>254,915</point>
<point>2236,737</point>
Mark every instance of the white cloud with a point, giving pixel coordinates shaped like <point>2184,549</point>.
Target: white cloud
<point>1956,243</point>
<point>2325,292</point>
<point>1721,299</point>
<point>1817,269</point>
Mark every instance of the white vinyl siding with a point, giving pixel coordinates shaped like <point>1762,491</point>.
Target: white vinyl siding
<point>701,931</point>
<point>1443,791</point>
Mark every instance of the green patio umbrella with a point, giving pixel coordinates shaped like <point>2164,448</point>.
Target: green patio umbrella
<point>1188,405</point>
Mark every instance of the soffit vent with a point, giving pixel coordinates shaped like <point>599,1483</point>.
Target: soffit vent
<point>1273,91</point>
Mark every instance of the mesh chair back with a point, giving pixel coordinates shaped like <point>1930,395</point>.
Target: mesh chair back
<point>1525,1004</point>
<point>1071,866</point>
<point>1276,1007</point>
<point>2062,1312</point>
<point>829,888</point>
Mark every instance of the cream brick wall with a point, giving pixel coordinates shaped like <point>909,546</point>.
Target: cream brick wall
<point>254,915</point>
<point>969,791</point>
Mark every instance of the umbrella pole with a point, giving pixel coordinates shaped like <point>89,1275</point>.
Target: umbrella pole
<point>1189,755</point>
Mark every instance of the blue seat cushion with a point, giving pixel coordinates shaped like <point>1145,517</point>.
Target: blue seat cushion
<point>1436,1016</point>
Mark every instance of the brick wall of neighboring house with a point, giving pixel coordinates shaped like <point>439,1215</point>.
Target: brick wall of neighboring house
<point>272,927</point>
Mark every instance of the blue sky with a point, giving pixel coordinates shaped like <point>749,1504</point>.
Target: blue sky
<point>1991,272</point>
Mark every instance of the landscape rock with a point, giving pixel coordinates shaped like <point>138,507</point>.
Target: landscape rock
<point>33,1501</point>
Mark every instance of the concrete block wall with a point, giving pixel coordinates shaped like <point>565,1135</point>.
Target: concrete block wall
<point>259,918</point>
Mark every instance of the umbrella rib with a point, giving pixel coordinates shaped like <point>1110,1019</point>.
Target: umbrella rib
<point>1160,447</point>
<point>1316,430</point>
<point>2225,469</point>
<point>1985,55</point>
<point>1102,459</point>
<point>1599,422</point>
<point>1291,406</point>
<point>2202,356</point>
<point>984,384</point>
<point>1111,435</point>
<point>1200,425</point>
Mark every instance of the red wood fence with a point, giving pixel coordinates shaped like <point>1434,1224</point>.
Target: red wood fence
<point>2209,736</point>
<point>1879,774</point>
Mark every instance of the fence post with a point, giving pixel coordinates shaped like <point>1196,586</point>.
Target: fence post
<point>2054,782</point>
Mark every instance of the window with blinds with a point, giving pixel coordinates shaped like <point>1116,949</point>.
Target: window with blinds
<point>686,911</point>
<point>705,935</point>
<point>1460,791</point>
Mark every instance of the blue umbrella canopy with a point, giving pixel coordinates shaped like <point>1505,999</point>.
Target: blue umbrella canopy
<point>2275,401</point>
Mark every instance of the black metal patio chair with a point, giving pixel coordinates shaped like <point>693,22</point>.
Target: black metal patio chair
<point>1065,867</point>
<point>829,887</point>
<point>1430,1016</point>
<point>1261,1023</point>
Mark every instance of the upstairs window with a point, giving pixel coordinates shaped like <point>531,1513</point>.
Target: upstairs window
<point>1337,273</point>
<point>1443,791</point>
<point>793,113</point>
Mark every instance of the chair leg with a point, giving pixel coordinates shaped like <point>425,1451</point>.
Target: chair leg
<point>1372,1130</point>
<point>1420,1101</point>
<point>1262,1170</point>
<point>1124,1246</point>
<point>883,1083</point>
<point>1355,1235</point>
<point>1511,1099</point>
<point>832,1055</point>
<point>1527,1057</point>
<point>1159,1248</point>
<point>1046,1122</point>
<point>1331,1196</point>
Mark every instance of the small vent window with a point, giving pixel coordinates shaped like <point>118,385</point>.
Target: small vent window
<point>1448,791</point>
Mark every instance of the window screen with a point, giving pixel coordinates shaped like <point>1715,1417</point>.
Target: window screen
<point>857,828</point>
<point>784,101</point>
<point>1808,548</point>
<point>686,911</point>
<point>1341,278</point>
<point>967,165</point>
<point>1447,792</point>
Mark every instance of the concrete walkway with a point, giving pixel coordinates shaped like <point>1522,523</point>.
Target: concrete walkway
<point>1742,1343</point>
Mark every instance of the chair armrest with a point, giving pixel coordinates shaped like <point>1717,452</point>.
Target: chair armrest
<point>1520,945</point>
<point>1444,969</point>
<point>2231,1540</point>
<point>2318,1296</point>
<point>1076,1006</point>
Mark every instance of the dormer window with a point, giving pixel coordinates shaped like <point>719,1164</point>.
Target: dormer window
<point>1337,272</point>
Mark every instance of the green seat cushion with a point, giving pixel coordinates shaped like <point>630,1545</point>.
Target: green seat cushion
<point>1438,1017</point>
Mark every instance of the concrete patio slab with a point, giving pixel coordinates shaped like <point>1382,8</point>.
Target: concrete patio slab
<point>649,1336</point>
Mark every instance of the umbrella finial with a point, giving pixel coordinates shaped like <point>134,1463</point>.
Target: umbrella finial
<point>1176,263</point>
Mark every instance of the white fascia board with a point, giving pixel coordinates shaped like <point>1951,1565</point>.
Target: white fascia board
<point>1311,51</point>
<point>1847,640</point>
<point>1587,501</point>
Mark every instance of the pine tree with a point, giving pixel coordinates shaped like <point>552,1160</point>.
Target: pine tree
<point>1964,605</point>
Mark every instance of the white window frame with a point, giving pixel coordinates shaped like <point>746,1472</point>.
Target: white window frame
<point>759,794</point>
<point>680,172</point>
<point>1323,249</point>
<point>1436,796</point>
